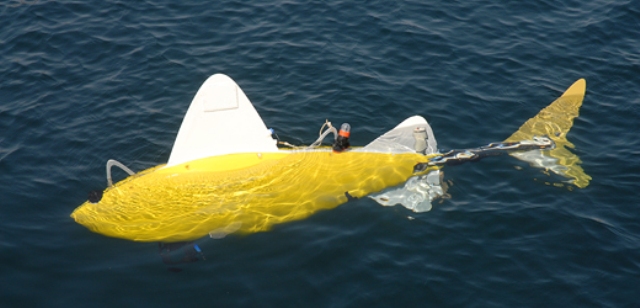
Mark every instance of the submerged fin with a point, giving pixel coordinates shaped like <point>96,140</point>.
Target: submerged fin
<point>555,121</point>
<point>417,193</point>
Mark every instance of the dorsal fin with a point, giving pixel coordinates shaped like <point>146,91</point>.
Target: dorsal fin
<point>220,120</point>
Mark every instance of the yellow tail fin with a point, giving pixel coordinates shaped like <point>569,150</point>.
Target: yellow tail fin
<point>555,121</point>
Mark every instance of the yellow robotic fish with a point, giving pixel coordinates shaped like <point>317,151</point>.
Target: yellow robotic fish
<point>226,174</point>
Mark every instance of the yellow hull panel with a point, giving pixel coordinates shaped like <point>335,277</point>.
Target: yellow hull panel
<point>239,192</point>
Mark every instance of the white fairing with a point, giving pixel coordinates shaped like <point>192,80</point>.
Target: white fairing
<point>400,139</point>
<point>220,120</point>
<point>419,191</point>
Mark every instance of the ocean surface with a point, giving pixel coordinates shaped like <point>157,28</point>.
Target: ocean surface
<point>82,82</point>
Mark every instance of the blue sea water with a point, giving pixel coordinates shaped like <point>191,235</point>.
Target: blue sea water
<point>82,82</point>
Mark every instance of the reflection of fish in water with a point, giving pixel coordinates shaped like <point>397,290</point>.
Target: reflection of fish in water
<point>225,173</point>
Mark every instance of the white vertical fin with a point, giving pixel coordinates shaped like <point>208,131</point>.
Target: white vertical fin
<point>220,120</point>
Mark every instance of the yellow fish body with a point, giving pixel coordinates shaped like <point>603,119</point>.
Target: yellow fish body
<point>208,190</point>
<point>211,196</point>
